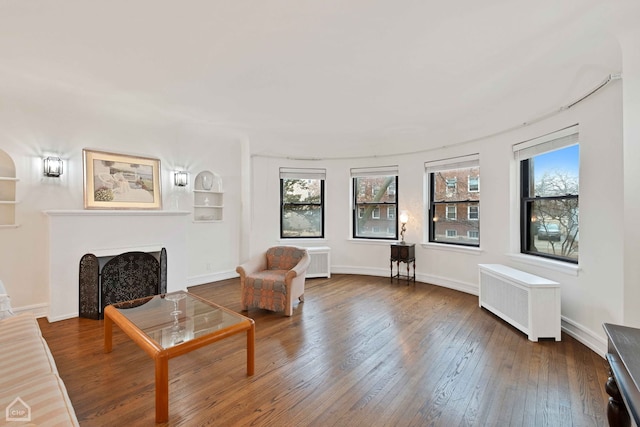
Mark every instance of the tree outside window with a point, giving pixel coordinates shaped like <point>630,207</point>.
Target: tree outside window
<point>302,208</point>
<point>550,193</point>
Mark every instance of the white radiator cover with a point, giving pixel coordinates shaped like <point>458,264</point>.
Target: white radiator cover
<point>320,265</point>
<point>529,303</point>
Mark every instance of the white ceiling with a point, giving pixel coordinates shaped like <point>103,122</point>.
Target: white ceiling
<point>329,78</point>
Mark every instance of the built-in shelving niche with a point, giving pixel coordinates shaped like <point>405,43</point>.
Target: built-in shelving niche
<point>208,197</point>
<point>8,200</point>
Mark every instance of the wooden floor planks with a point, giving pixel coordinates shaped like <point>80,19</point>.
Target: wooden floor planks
<point>361,351</point>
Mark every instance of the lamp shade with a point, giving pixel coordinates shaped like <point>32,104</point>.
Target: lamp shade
<point>404,217</point>
<point>52,166</point>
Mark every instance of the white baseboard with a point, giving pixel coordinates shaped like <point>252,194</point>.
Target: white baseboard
<point>63,317</point>
<point>213,277</point>
<point>468,288</point>
<point>39,310</point>
<point>585,336</point>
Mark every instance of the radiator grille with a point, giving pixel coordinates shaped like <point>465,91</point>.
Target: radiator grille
<point>509,300</point>
<point>528,302</point>
<point>320,262</point>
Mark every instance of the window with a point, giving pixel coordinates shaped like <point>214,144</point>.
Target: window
<point>549,190</point>
<point>452,184</point>
<point>375,193</point>
<point>452,212</point>
<point>302,203</point>
<point>473,184</point>
<point>473,213</point>
<point>454,200</point>
<point>391,190</point>
<point>391,212</point>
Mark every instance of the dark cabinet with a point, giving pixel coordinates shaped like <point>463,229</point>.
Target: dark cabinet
<point>405,253</point>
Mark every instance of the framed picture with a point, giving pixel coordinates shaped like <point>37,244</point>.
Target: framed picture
<point>120,181</point>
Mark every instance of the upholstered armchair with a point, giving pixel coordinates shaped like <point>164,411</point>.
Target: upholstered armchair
<point>274,279</point>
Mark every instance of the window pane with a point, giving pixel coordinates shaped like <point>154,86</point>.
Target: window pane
<point>455,206</point>
<point>550,190</point>
<point>375,223</point>
<point>302,221</point>
<point>302,208</point>
<point>376,207</point>
<point>474,183</point>
<point>459,229</point>
<point>301,191</point>
<point>391,212</point>
<point>373,189</point>
<point>555,173</point>
<point>473,213</point>
<point>554,227</point>
<point>453,185</point>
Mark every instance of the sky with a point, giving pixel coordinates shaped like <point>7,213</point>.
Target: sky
<point>566,159</point>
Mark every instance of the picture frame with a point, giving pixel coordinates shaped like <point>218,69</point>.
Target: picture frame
<point>120,181</point>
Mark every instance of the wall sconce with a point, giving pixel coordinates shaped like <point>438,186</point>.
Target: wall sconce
<point>181,178</point>
<point>404,218</point>
<point>53,166</point>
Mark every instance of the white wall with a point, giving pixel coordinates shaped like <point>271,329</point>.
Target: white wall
<point>590,297</point>
<point>38,118</point>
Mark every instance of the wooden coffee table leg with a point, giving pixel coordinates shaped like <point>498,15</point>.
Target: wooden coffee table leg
<point>162,389</point>
<point>251,350</point>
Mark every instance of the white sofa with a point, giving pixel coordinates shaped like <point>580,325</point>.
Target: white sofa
<point>30,387</point>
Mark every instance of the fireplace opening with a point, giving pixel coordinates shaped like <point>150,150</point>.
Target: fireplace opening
<point>124,277</point>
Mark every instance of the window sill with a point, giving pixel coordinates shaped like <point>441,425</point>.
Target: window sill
<point>291,240</point>
<point>454,248</point>
<point>376,241</point>
<point>562,267</point>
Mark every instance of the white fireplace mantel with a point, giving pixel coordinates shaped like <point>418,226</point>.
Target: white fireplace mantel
<point>74,233</point>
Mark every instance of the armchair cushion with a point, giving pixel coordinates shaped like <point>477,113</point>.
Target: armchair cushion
<point>283,257</point>
<point>266,289</point>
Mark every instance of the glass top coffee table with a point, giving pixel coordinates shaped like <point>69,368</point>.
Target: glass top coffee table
<point>169,325</point>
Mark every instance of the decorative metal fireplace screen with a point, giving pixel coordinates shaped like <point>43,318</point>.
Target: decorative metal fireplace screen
<point>125,277</point>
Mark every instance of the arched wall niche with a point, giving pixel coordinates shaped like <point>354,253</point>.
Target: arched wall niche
<point>7,191</point>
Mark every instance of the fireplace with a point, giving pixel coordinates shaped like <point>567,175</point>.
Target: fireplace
<point>75,233</point>
<point>111,279</point>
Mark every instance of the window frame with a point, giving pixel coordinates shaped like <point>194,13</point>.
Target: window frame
<point>453,217</point>
<point>391,212</point>
<point>477,178</point>
<point>524,152</point>
<point>477,218</point>
<point>526,208</point>
<point>435,215</point>
<point>357,205</point>
<point>302,174</point>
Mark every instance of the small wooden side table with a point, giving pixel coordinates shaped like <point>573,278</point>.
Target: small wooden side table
<point>403,252</point>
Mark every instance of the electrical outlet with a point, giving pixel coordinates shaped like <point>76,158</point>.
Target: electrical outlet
<point>209,266</point>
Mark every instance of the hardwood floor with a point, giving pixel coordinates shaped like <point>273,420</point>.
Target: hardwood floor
<point>359,351</point>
